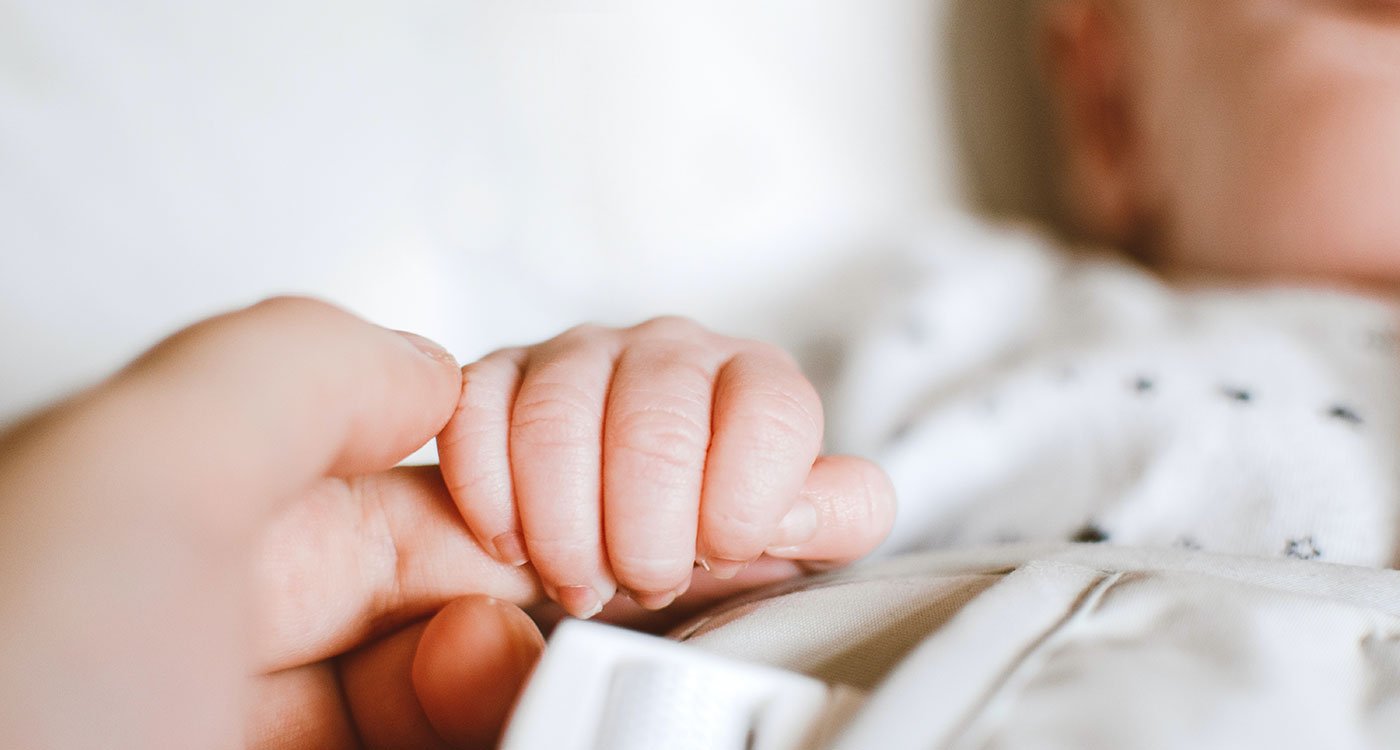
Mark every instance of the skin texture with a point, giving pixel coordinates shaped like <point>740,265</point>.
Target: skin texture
<point>218,530</point>
<point>131,515</point>
<point>620,458</point>
<point>1248,140</point>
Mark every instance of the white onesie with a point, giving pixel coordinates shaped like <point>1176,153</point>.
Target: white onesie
<point>1018,391</point>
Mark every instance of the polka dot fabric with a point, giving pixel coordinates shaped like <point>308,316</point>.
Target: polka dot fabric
<point>1020,391</point>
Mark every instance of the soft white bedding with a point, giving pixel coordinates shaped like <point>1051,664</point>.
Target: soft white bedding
<point>485,172</point>
<point>1061,646</point>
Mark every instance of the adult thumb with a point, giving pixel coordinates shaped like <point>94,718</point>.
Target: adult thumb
<point>474,657</point>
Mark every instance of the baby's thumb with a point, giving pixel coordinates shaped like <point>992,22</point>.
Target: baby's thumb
<point>846,509</point>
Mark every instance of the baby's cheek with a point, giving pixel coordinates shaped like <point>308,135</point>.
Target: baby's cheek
<point>1329,207</point>
<point>1301,180</point>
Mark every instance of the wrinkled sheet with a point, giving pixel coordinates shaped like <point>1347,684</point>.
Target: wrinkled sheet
<point>1078,646</point>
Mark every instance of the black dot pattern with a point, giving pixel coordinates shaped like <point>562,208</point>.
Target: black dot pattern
<point>1188,542</point>
<point>1345,414</point>
<point>1145,385</point>
<point>1304,548</point>
<point>901,432</point>
<point>1236,394</point>
<point>1090,533</point>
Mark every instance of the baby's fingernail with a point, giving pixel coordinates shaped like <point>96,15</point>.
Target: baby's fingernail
<point>510,548</point>
<point>799,526</point>
<point>429,347</point>
<point>581,601</point>
<point>724,569</point>
<point>659,600</point>
<point>654,601</point>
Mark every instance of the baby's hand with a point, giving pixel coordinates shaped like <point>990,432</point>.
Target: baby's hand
<point>621,457</point>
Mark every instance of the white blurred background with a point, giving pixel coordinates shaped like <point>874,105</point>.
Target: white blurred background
<point>485,172</point>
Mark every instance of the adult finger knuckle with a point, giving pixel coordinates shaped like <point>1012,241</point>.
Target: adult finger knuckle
<point>288,317</point>
<point>298,305</point>
<point>268,329</point>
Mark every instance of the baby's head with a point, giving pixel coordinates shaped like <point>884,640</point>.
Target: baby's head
<point>1257,139</point>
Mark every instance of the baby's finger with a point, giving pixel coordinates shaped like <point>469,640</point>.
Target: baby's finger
<point>767,432</point>
<point>846,509</point>
<point>474,449</point>
<point>655,436</point>
<point>556,464</point>
<point>707,593</point>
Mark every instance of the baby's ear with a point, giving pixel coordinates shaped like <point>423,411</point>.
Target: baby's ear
<point>1084,54</point>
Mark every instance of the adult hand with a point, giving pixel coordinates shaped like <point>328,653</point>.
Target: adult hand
<point>211,549</point>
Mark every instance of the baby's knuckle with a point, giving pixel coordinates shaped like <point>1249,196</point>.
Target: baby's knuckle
<point>479,383</point>
<point>479,372</point>
<point>584,332</point>
<point>552,416</point>
<point>468,426</point>
<point>669,326</point>
<point>672,440</point>
<point>479,484</point>
<point>785,420</point>
<point>773,354</point>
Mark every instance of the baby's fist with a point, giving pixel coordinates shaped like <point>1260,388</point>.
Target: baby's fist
<point>622,457</point>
